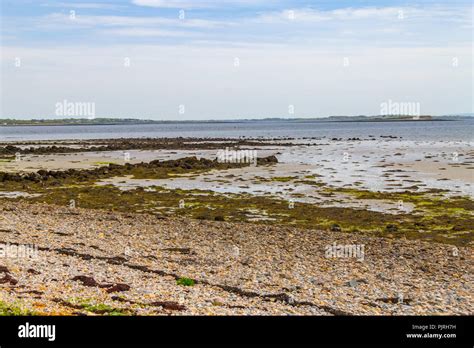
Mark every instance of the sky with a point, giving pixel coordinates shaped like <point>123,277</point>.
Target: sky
<point>231,59</point>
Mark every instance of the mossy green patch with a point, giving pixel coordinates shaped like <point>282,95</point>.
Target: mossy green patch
<point>185,281</point>
<point>429,224</point>
<point>434,217</point>
<point>14,310</point>
<point>103,163</point>
<point>104,309</point>
<point>96,308</point>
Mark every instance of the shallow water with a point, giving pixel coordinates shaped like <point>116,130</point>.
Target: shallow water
<point>426,130</point>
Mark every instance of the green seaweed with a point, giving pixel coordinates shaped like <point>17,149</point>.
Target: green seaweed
<point>435,217</point>
<point>14,310</point>
<point>185,282</point>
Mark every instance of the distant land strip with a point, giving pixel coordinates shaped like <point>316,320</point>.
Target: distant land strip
<point>128,121</point>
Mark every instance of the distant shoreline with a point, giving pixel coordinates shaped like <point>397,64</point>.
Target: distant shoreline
<point>118,122</point>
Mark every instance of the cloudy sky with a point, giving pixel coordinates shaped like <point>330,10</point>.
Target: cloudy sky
<point>228,59</point>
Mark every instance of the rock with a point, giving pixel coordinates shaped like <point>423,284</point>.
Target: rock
<point>173,306</point>
<point>267,160</point>
<point>118,287</point>
<point>86,281</point>
<point>395,300</point>
<point>355,282</point>
<point>391,228</point>
<point>352,283</point>
<point>7,278</point>
<point>335,228</point>
<point>89,281</point>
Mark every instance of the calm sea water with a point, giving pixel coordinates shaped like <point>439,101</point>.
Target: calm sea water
<point>430,131</point>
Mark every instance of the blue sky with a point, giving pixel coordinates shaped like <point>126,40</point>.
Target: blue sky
<point>235,58</point>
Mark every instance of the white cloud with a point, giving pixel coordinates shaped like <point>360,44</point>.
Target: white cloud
<point>149,33</point>
<point>83,5</point>
<point>387,26</point>
<point>281,63</point>
<point>188,4</point>
<point>308,15</point>
<point>126,21</point>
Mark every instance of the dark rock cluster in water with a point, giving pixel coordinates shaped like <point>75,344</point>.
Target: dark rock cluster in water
<point>188,163</point>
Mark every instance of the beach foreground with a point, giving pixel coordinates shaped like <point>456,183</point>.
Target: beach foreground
<point>100,262</point>
<point>309,227</point>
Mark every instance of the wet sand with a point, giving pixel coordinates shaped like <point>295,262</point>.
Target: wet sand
<point>380,165</point>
